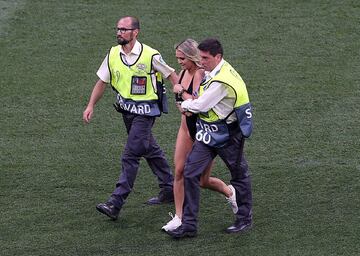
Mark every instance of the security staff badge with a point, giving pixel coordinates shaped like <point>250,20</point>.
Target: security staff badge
<point>138,83</point>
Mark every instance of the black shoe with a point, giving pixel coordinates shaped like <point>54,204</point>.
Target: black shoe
<point>239,226</point>
<point>162,198</point>
<point>182,232</point>
<point>109,210</point>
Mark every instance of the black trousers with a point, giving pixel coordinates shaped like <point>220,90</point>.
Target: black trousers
<point>140,143</point>
<point>199,158</point>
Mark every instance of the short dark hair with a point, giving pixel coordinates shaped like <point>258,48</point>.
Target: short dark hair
<point>211,45</point>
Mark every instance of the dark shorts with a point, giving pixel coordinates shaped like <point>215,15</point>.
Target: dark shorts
<point>191,125</point>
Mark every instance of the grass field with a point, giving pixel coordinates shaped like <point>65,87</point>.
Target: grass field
<point>301,63</point>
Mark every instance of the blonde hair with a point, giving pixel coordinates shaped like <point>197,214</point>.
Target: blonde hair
<point>189,47</point>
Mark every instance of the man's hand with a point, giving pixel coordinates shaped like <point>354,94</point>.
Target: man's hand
<point>183,111</point>
<point>96,94</point>
<point>87,114</point>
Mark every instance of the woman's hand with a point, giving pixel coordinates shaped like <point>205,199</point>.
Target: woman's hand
<point>177,88</point>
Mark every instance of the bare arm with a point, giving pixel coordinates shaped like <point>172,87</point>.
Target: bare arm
<point>198,76</point>
<point>96,94</point>
<point>173,78</point>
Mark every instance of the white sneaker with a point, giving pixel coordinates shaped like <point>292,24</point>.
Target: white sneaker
<point>232,200</point>
<point>173,224</point>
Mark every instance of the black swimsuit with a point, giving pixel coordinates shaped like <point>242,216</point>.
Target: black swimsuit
<point>190,120</point>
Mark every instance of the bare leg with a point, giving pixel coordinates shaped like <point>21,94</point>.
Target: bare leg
<point>214,183</point>
<point>182,149</point>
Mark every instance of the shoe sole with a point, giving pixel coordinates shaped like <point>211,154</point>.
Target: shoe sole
<point>158,202</point>
<point>185,235</point>
<point>240,231</point>
<point>166,230</point>
<point>105,213</point>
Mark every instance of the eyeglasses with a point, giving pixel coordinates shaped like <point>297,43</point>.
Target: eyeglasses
<point>124,30</point>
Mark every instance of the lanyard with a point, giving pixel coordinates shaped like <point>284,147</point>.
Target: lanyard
<point>123,58</point>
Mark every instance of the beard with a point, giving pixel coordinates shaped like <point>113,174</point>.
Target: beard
<point>122,41</point>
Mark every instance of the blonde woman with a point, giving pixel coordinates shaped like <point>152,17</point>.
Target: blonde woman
<point>190,77</point>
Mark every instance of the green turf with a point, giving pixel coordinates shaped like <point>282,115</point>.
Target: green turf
<point>300,60</point>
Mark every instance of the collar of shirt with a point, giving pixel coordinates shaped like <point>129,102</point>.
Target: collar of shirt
<point>136,50</point>
<point>212,73</point>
